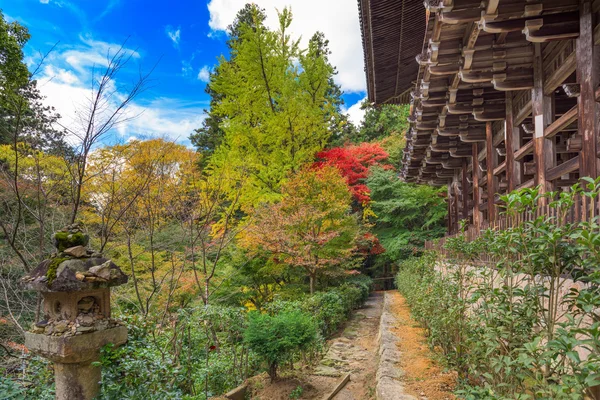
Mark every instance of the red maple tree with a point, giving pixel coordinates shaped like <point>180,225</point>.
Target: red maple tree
<point>354,162</point>
<point>369,244</point>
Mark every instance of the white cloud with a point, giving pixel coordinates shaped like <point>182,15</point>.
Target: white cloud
<point>186,68</point>
<point>60,75</point>
<point>204,74</point>
<point>162,118</point>
<point>44,1</point>
<point>89,53</point>
<point>65,81</point>
<point>173,34</point>
<point>355,113</point>
<point>338,20</point>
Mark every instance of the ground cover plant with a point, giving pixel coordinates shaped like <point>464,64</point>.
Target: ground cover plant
<point>525,325</point>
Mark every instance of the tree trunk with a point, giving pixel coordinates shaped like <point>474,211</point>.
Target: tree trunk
<point>312,278</point>
<point>273,371</point>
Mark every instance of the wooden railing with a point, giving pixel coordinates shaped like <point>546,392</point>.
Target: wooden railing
<point>583,209</point>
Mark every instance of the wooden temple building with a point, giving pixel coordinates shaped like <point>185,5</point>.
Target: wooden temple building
<point>504,94</point>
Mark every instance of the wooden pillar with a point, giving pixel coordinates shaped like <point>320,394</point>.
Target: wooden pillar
<point>476,194</point>
<point>450,219</point>
<point>465,190</point>
<point>544,154</point>
<point>456,203</point>
<point>588,64</point>
<point>512,142</point>
<point>491,159</point>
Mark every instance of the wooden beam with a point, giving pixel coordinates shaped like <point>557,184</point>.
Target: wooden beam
<point>535,31</point>
<point>476,171</point>
<point>339,386</point>
<point>527,184</point>
<point>492,7</point>
<point>500,168</point>
<point>523,113</point>
<point>461,16</point>
<point>567,167</point>
<point>565,120</point>
<point>523,151</point>
<point>491,161</point>
<point>588,64</point>
<point>560,74</point>
<point>543,149</point>
<point>519,24</point>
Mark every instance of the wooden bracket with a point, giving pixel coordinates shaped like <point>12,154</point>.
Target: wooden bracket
<point>571,89</point>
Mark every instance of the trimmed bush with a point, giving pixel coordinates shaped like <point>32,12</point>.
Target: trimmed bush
<point>276,338</point>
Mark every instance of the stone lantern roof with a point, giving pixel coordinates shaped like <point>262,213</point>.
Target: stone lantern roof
<point>74,267</point>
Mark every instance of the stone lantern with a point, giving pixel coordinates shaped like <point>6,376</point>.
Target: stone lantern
<point>75,285</point>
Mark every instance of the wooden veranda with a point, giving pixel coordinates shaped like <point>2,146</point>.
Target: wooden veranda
<point>504,95</point>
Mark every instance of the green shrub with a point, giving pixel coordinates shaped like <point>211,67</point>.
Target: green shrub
<point>364,283</point>
<point>351,297</point>
<point>180,359</point>
<point>276,338</point>
<point>327,308</point>
<point>296,393</point>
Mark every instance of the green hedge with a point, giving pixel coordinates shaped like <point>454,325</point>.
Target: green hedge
<point>329,308</point>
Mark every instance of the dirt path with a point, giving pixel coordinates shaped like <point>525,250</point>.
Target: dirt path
<point>422,377</point>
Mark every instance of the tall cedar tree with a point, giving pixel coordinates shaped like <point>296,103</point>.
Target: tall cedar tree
<point>23,115</point>
<point>310,228</point>
<point>210,135</point>
<point>274,106</point>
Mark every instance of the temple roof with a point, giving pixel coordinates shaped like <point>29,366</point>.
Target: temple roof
<point>393,32</point>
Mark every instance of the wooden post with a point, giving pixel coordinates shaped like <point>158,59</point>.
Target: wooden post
<point>544,153</point>
<point>491,159</point>
<point>588,64</point>
<point>456,202</point>
<point>476,194</point>
<point>465,190</point>
<point>512,142</point>
<point>449,201</point>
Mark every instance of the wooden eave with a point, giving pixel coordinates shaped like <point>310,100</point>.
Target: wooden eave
<point>475,52</point>
<point>392,33</point>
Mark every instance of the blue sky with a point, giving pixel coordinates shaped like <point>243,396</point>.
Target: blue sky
<point>185,38</point>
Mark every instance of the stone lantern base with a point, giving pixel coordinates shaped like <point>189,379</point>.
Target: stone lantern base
<point>76,378</point>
